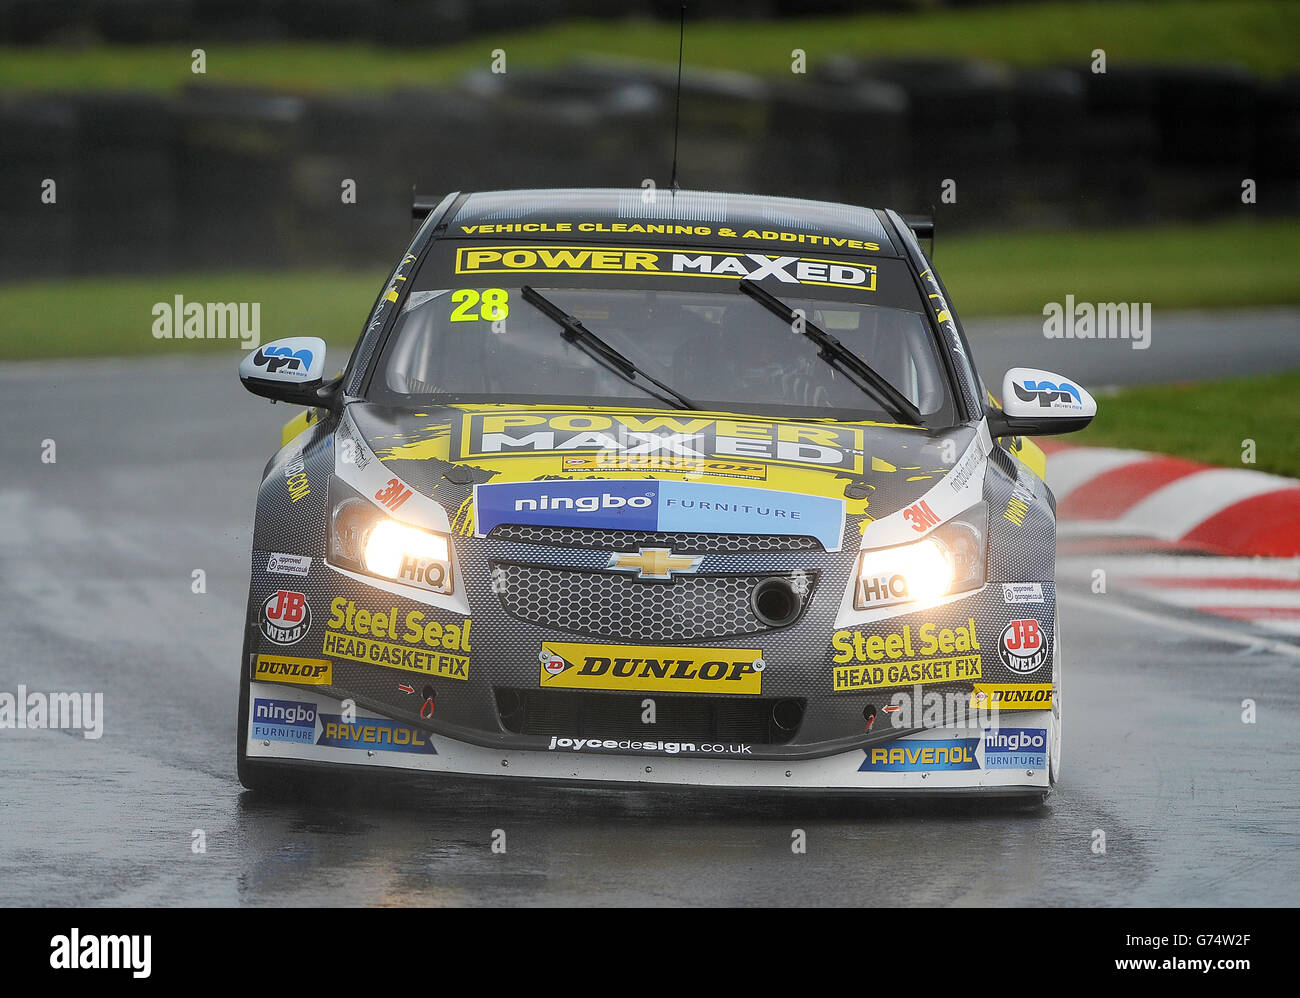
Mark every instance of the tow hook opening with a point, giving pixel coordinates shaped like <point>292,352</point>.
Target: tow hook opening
<point>775,602</point>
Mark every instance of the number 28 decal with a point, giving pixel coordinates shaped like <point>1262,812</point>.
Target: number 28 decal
<point>493,305</point>
<point>921,516</point>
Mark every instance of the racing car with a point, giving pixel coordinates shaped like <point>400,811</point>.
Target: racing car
<point>690,490</point>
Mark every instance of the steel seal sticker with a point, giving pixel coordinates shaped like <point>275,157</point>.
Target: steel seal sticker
<point>888,659</point>
<point>431,647</point>
<point>651,505</point>
<point>651,669</point>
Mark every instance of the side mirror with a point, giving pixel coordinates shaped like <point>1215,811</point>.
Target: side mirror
<point>287,370</point>
<point>1036,403</point>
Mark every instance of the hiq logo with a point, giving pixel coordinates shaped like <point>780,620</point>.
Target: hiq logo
<point>284,360</point>
<point>1047,393</point>
<point>1015,740</point>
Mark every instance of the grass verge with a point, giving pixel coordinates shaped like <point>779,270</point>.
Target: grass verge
<point>1259,34</point>
<point>1208,422</point>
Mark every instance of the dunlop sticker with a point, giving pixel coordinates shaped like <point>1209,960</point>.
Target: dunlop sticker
<point>1012,696</point>
<point>303,671</point>
<point>651,668</point>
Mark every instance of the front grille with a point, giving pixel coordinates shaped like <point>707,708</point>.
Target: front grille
<point>619,607</point>
<point>627,540</point>
<point>569,714</point>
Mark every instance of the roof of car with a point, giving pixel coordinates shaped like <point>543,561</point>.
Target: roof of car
<point>650,215</point>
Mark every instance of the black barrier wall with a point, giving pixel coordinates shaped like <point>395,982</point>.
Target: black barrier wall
<point>215,178</point>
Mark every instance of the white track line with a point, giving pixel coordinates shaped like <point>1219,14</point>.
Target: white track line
<point>1183,566</point>
<point>1107,605</point>
<point>1186,503</point>
<point>1264,599</point>
<point>1069,469</point>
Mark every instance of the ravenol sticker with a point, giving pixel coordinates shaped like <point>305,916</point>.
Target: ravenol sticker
<point>1015,748</point>
<point>645,434</point>
<point>651,505</point>
<point>650,668</point>
<point>650,262</point>
<point>303,671</point>
<point>374,733</point>
<point>283,721</point>
<point>1021,696</point>
<point>918,754</point>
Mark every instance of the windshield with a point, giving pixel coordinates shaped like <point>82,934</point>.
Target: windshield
<point>717,347</point>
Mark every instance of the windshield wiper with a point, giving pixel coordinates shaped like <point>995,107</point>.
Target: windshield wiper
<point>600,351</point>
<point>839,356</point>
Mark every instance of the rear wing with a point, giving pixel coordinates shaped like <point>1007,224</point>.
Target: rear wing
<point>422,205</point>
<point>923,227</point>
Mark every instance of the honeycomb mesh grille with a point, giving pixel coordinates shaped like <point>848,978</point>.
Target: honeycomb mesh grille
<point>571,714</point>
<point>621,540</point>
<point>618,607</point>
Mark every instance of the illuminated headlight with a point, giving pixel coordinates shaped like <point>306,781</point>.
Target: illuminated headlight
<point>367,540</point>
<point>951,559</point>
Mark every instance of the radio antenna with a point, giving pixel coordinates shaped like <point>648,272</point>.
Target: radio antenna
<point>677,110</point>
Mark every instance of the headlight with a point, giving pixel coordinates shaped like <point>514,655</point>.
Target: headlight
<point>367,540</point>
<point>952,559</point>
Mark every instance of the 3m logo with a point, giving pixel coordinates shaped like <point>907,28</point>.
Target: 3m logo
<point>393,494</point>
<point>1022,646</point>
<point>921,517</point>
<point>303,671</point>
<point>286,617</point>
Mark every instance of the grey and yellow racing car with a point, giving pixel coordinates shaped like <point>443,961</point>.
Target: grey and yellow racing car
<point>696,491</point>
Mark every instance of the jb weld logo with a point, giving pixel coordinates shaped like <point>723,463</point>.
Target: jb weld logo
<point>651,669</point>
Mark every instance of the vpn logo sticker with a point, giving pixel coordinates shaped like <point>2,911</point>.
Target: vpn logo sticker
<point>1023,646</point>
<point>286,617</point>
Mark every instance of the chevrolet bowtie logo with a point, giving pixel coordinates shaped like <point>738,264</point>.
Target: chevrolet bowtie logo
<point>654,563</point>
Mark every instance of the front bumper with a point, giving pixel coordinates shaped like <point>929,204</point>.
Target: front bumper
<point>297,727</point>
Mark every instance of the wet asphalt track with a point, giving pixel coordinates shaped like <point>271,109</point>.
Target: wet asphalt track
<point>156,473</point>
